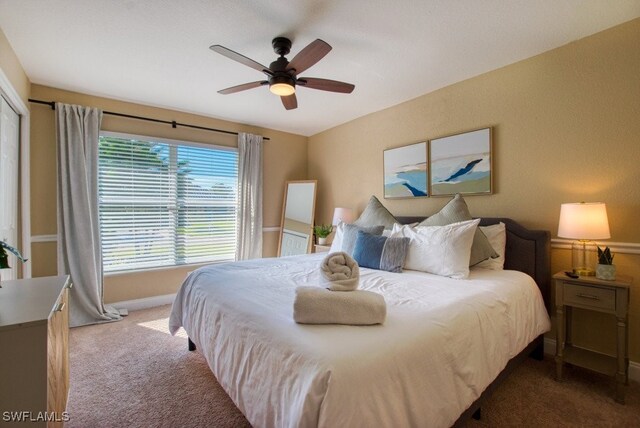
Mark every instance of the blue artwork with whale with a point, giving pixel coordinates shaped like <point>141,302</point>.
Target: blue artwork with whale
<point>461,163</point>
<point>405,171</point>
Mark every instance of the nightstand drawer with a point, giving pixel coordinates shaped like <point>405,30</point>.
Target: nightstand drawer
<point>592,297</point>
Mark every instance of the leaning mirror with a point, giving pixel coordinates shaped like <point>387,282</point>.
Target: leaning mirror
<point>296,231</point>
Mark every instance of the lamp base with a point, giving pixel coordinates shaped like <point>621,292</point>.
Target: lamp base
<point>584,272</point>
<point>584,257</point>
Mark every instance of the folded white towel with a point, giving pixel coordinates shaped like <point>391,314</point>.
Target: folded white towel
<point>317,305</point>
<point>341,271</point>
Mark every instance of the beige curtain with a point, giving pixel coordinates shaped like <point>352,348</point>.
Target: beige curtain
<point>249,216</point>
<point>79,248</point>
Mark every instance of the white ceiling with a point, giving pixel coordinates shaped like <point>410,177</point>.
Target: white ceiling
<point>156,52</point>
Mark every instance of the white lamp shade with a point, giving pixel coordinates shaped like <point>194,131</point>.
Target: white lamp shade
<point>344,215</point>
<point>584,221</point>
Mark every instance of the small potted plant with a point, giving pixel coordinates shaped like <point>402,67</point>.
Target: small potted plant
<point>322,231</point>
<point>4,257</point>
<point>605,269</point>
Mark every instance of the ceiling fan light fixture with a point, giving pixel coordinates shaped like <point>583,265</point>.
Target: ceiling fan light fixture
<point>282,89</point>
<point>282,85</point>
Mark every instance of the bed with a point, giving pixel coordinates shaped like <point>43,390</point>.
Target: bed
<point>444,347</point>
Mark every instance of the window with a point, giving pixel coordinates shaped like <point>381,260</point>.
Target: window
<point>165,203</point>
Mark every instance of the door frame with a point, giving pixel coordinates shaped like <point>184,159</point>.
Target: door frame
<point>14,100</point>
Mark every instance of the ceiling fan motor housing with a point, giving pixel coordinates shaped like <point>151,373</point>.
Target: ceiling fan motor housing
<point>280,72</point>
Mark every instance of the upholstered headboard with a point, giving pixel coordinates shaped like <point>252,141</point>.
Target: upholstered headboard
<point>527,251</point>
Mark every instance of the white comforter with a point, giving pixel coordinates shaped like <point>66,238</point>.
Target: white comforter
<point>443,343</point>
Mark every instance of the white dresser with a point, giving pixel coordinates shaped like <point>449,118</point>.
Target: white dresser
<point>34,353</point>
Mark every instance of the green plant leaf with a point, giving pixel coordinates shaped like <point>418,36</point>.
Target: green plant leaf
<point>605,257</point>
<point>322,230</point>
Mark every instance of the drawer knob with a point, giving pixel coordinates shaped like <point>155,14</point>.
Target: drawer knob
<point>588,296</point>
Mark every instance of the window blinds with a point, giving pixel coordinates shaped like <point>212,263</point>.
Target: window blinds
<point>165,204</point>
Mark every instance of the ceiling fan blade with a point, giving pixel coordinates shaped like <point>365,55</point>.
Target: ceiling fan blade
<point>325,85</point>
<point>241,59</point>
<point>243,87</point>
<point>290,102</point>
<point>308,56</point>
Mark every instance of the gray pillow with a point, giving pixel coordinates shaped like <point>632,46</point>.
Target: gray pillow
<point>457,210</point>
<point>375,214</point>
<point>351,234</point>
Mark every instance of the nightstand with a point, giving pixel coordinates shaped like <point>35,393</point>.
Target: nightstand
<point>321,248</point>
<point>590,293</point>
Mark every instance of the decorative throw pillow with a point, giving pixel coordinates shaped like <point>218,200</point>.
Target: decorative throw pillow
<point>497,236</point>
<point>455,211</point>
<point>375,214</point>
<point>387,232</point>
<point>379,252</point>
<point>441,250</point>
<point>346,234</point>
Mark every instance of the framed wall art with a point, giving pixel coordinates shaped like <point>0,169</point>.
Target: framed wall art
<point>405,171</point>
<point>461,163</point>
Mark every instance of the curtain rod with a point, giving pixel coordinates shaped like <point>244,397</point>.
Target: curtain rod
<point>173,123</point>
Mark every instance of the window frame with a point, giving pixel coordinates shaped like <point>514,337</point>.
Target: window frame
<point>149,138</point>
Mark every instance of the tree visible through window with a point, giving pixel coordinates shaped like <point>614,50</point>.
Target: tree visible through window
<point>165,204</point>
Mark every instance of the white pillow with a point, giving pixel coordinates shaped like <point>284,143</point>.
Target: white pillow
<point>387,232</point>
<point>441,250</point>
<point>497,236</point>
<point>336,244</point>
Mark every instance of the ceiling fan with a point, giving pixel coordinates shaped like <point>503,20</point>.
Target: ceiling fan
<point>282,75</point>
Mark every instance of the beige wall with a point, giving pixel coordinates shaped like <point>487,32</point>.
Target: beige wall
<point>285,158</point>
<point>566,129</point>
<point>11,67</point>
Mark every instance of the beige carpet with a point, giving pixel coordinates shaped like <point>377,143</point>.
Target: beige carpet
<point>134,374</point>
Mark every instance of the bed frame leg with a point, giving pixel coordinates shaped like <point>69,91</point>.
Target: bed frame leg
<point>192,346</point>
<point>477,414</point>
<point>538,351</point>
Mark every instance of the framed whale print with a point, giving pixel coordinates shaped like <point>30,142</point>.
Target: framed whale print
<point>461,163</point>
<point>405,171</point>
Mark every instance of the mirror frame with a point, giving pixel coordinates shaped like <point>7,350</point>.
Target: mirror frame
<point>284,207</point>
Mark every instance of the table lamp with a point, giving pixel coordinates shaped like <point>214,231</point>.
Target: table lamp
<point>583,222</point>
<point>344,215</point>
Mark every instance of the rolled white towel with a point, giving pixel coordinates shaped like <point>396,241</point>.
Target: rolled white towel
<point>341,271</point>
<point>316,305</point>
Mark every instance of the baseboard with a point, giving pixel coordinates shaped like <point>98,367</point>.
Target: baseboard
<point>147,302</point>
<point>634,367</point>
